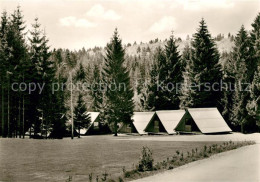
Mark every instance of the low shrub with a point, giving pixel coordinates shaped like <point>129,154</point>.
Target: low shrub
<point>69,179</point>
<point>177,152</point>
<point>146,160</point>
<point>170,167</point>
<point>104,178</point>
<point>129,174</point>
<point>90,177</point>
<point>120,179</point>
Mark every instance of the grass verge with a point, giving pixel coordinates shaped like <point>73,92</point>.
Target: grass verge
<point>146,167</point>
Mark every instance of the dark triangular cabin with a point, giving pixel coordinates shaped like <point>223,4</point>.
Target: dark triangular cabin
<point>170,119</point>
<point>128,128</point>
<point>187,125</point>
<point>203,120</point>
<point>140,121</point>
<point>96,127</point>
<point>155,126</point>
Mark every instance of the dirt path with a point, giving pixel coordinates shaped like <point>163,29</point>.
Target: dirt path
<point>242,164</point>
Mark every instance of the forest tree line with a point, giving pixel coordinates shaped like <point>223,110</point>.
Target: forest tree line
<point>26,57</point>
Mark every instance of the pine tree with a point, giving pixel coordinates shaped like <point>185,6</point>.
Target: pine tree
<point>119,104</point>
<point>253,106</point>
<point>47,119</point>
<point>138,50</point>
<point>186,55</point>
<point>96,90</point>
<point>142,86</point>
<point>17,59</point>
<point>151,99</point>
<point>186,93</point>
<point>36,56</point>
<point>255,39</point>
<point>3,66</point>
<point>80,74</point>
<point>228,93</point>
<point>71,59</point>
<point>47,77</point>
<point>82,119</point>
<point>204,70</point>
<point>57,126</point>
<point>173,76</point>
<point>242,56</point>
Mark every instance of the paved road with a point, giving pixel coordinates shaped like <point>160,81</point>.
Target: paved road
<point>240,165</point>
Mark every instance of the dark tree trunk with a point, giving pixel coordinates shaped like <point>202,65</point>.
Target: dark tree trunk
<point>42,125</point>
<point>3,111</point>
<point>46,128</point>
<point>30,132</point>
<point>8,109</point>
<point>23,118</point>
<point>19,117</point>
<point>115,128</point>
<point>242,128</point>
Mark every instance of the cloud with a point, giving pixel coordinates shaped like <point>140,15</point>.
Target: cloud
<point>205,4</point>
<point>98,11</point>
<point>73,21</point>
<point>166,23</point>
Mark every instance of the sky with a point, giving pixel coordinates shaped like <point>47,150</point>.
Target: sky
<point>75,24</point>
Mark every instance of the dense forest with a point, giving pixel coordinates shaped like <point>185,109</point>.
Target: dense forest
<point>35,79</point>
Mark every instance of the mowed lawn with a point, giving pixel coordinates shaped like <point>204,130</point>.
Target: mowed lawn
<point>56,160</point>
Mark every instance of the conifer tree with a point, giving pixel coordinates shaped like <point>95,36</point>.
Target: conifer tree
<point>3,66</point>
<point>80,74</point>
<point>96,90</point>
<point>151,99</point>
<point>242,56</point>
<point>47,119</point>
<point>228,92</point>
<point>253,105</point>
<point>255,40</point>
<point>36,56</point>
<point>186,92</point>
<point>17,62</point>
<point>173,76</point>
<point>204,71</point>
<point>82,119</point>
<point>119,95</point>
<point>57,126</point>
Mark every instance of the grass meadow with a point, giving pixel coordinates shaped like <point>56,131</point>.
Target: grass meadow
<point>56,160</point>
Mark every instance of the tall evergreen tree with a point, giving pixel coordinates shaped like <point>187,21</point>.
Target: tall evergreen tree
<point>171,76</point>
<point>3,66</point>
<point>120,105</point>
<point>253,105</point>
<point>80,74</point>
<point>242,56</point>
<point>205,71</point>
<point>228,94</point>
<point>17,62</point>
<point>151,99</point>
<point>186,92</point>
<point>47,119</point>
<point>96,91</point>
<point>255,39</point>
<point>36,56</point>
<point>82,119</point>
